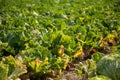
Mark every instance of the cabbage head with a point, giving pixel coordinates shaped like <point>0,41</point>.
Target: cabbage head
<point>109,66</point>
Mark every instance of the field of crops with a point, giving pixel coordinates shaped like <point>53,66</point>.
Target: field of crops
<point>59,40</point>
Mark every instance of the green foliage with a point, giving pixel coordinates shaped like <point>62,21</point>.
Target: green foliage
<point>39,66</point>
<point>100,77</point>
<point>59,63</point>
<point>87,68</point>
<point>97,56</point>
<point>3,71</point>
<point>46,34</point>
<point>11,68</point>
<point>110,66</point>
<point>33,53</point>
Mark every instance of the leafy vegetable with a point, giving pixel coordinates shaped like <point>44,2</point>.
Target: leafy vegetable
<point>100,77</point>
<point>110,66</point>
<point>42,36</point>
<point>11,68</point>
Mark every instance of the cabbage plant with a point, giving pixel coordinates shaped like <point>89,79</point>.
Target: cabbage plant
<point>100,77</point>
<point>109,66</point>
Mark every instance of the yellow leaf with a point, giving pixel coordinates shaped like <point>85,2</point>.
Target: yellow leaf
<point>81,18</point>
<point>79,53</point>
<point>66,62</point>
<point>118,29</point>
<point>59,59</point>
<point>61,51</point>
<point>46,59</point>
<point>26,45</point>
<point>35,64</point>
